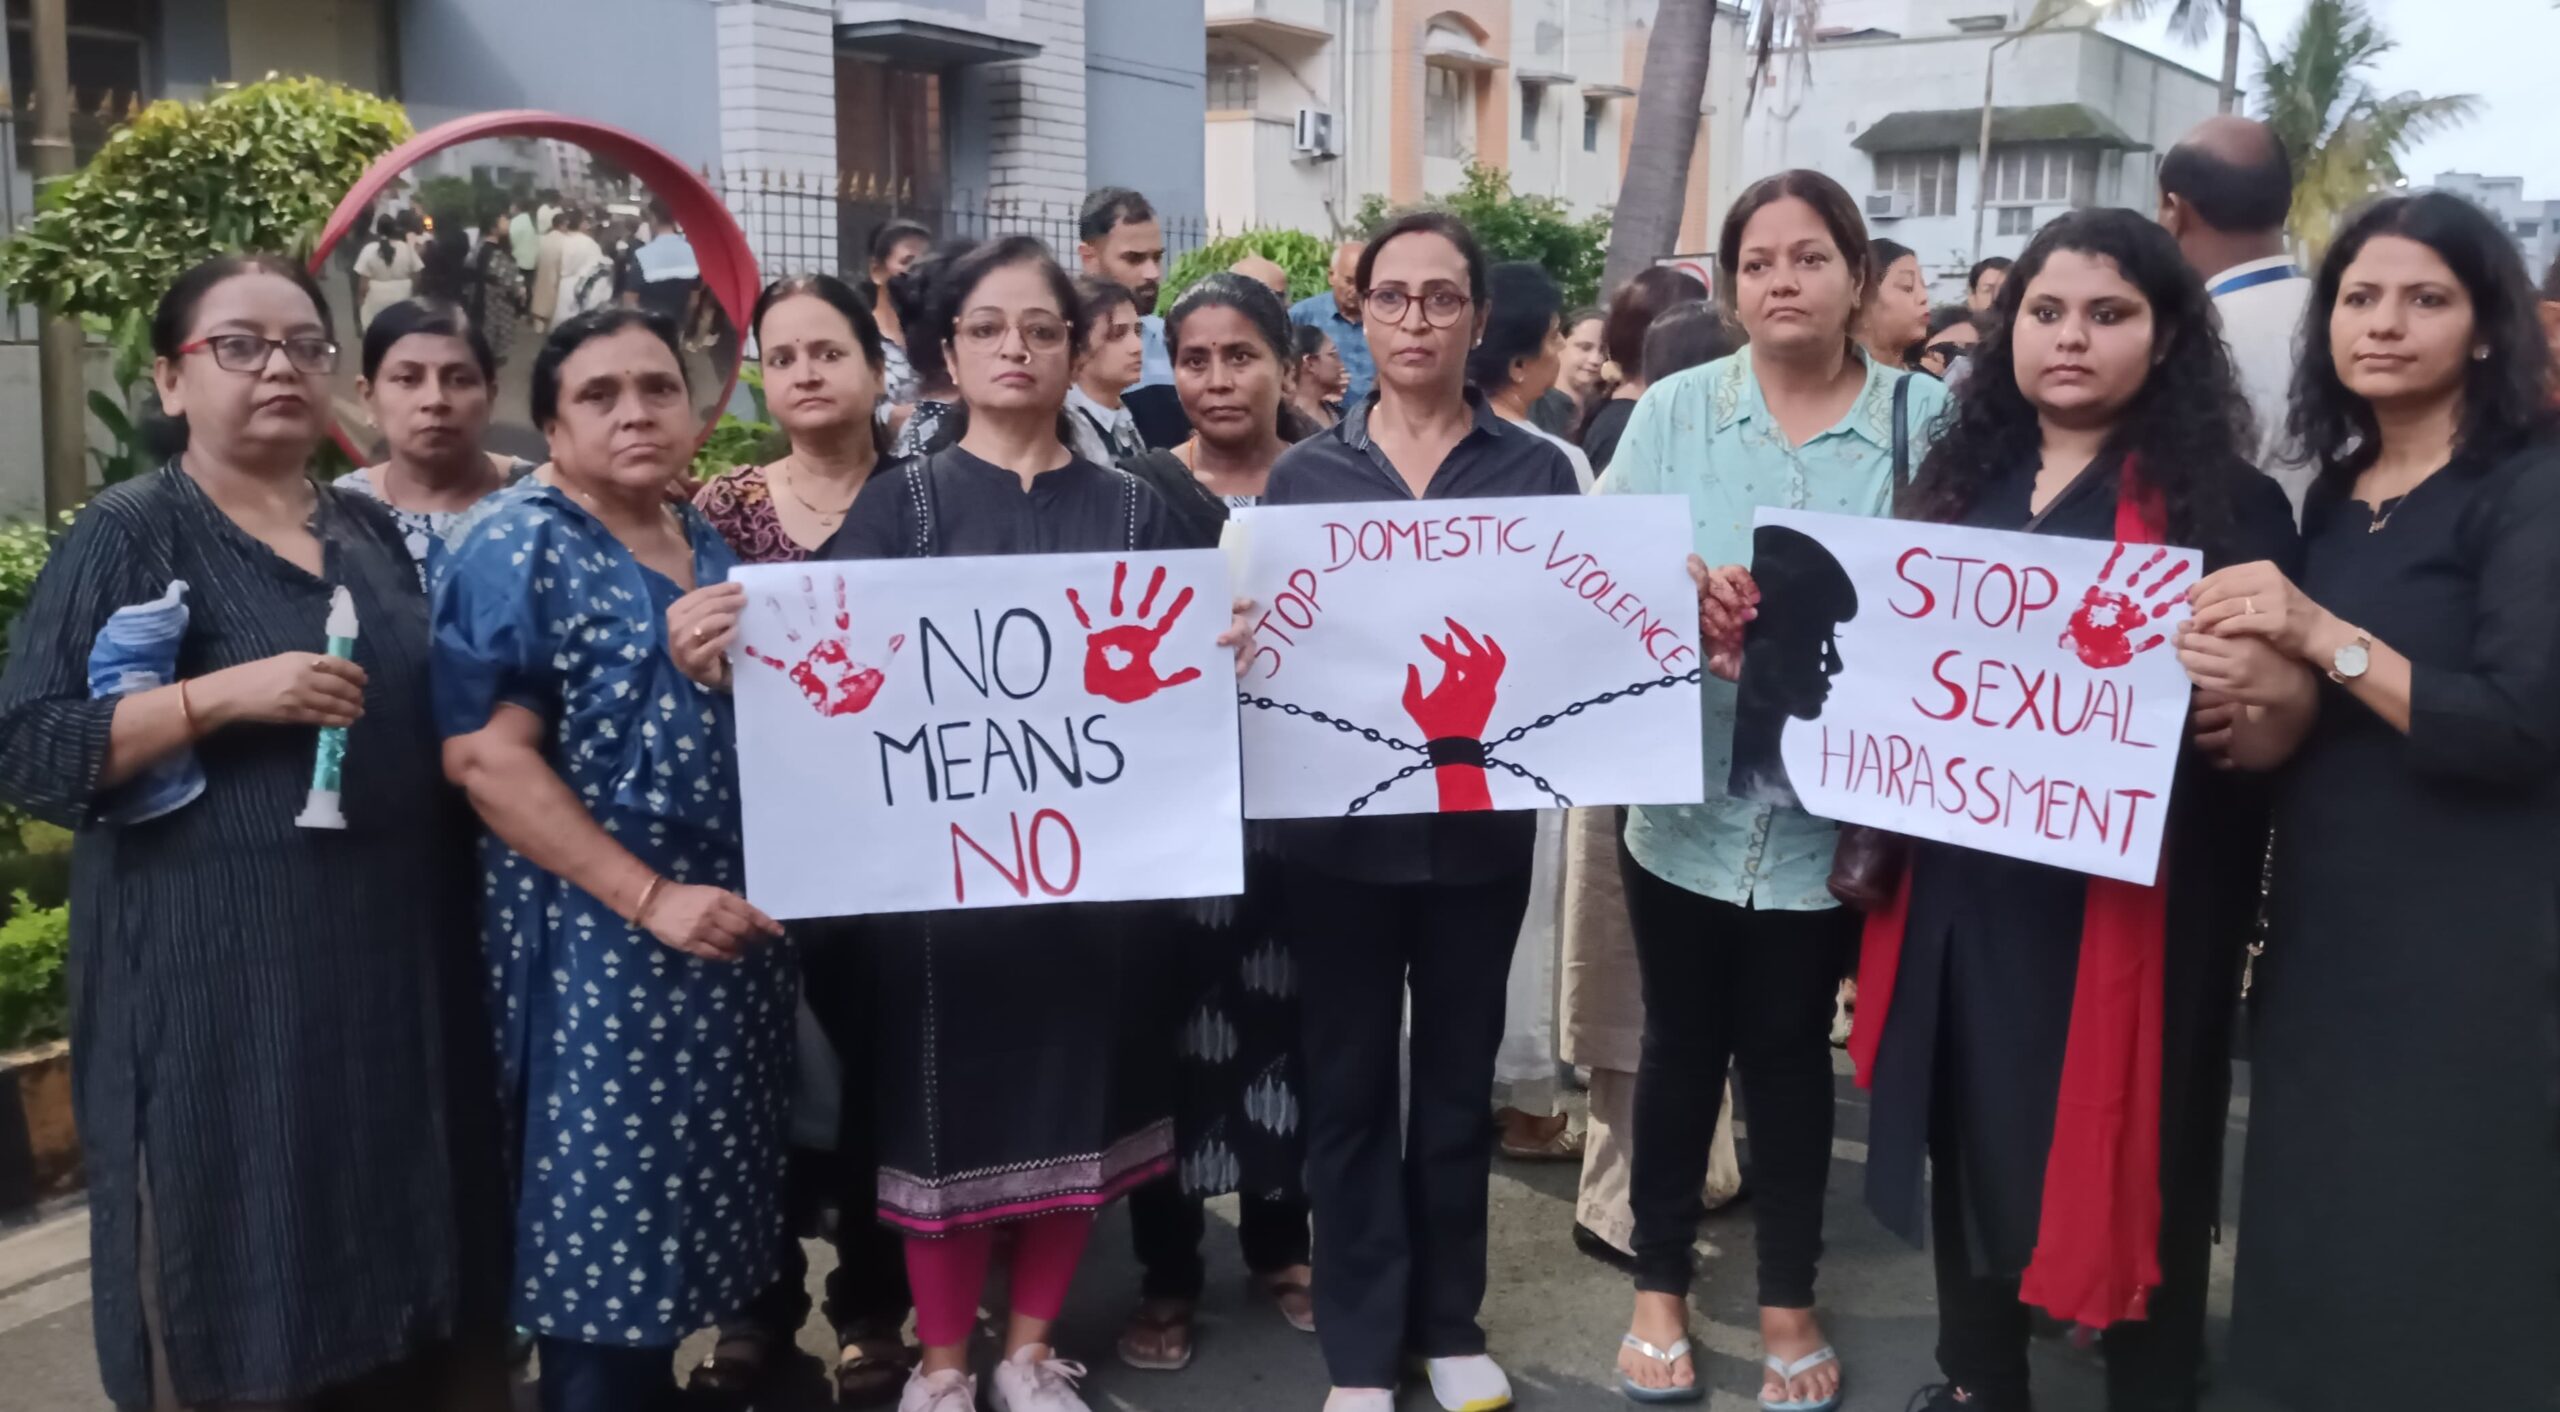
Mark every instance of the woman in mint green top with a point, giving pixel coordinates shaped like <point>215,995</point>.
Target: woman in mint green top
<point>1739,942</point>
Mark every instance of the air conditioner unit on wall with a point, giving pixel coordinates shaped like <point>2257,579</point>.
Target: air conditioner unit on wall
<point>1888,205</point>
<point>1315,133</point>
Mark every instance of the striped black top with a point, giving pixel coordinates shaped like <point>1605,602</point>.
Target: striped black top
<point>266,1007</point>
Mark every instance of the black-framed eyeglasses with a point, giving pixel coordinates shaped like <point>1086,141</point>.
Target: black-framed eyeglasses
<point>1440,307</point>
<point>249,352</point>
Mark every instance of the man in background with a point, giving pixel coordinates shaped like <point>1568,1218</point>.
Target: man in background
<point>1266,273</point>
<point>1120,240</point>
<point>2225,190</point>
<point>1337,312</point>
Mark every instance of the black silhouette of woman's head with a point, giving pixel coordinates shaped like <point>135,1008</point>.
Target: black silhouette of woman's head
<point>1791,655</point>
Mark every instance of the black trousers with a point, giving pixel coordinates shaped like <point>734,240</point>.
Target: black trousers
<point>1400,1209</point>
<point>867,1290</point>
<point>1166,1225</point>
<point>1732,986</point>
<point>2153,1365</point>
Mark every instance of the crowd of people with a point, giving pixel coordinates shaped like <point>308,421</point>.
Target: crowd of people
<point>511,1058</point>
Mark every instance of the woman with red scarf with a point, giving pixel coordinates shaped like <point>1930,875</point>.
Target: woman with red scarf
<point>2056,1045</point>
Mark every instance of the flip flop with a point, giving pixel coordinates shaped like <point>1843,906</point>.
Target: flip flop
<point>1788,1372</point>
<point>1637,1392</point>
<point>1173,1321</point>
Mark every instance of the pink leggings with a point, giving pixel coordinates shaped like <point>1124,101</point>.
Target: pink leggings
<point>950,1272</point>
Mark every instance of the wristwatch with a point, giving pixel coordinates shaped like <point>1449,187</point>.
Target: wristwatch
<point>2351,659</point>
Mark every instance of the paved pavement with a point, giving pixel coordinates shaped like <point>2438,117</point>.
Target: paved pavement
<point>1554,1315</point>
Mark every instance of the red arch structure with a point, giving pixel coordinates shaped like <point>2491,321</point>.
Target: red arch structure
<point>719,246</point>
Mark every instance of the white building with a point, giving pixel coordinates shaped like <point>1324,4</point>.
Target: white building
<point>1313,104</point>
<point>1888,99</point>
<point>2534,225</point>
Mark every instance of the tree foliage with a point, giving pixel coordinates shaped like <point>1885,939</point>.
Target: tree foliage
<point>2345,136</point>
<point>1516,227</point>
<point>1307,258</point>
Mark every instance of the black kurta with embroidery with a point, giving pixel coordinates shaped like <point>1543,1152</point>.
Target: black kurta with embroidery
<point>267,1009</point>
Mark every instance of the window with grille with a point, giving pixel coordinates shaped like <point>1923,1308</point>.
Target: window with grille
<point>2044,174</point>
<point>1532,98</point>
<point>1444,111</point>
<point>1592,108</point>
<point>1234,85</point>
<point>2017,220</point>
<point>1928,178</point>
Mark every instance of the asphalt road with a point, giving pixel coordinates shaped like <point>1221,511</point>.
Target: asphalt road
<point>1553,1314</point>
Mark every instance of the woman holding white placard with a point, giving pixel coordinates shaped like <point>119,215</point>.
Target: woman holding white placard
<point>1740,942</point>
<point>2055,1048</point>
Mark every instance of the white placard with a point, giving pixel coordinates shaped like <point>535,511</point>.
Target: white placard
<point>1552,638</point>
<point>928,734</point>
<point>2015,693</point>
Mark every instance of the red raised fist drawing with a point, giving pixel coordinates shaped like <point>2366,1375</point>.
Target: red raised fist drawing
<point>1119,660</point>
<point>1460,704</point>
<point>825,670</point>
<point>2103,630</point>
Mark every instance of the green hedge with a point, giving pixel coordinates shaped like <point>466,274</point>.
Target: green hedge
<point>35,994</point>
<point>1307,258</point>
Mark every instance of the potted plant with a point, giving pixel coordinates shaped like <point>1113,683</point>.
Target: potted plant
<point>39,1144</point>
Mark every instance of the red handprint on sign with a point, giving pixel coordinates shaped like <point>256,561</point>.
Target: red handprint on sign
<point>1453,713</point>
<point>2102,630</point>
<point>1119,661</point>
<point>826,671</point>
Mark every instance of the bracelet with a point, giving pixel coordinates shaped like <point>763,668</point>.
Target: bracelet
<point>649,894</point>
<point>187,710</point>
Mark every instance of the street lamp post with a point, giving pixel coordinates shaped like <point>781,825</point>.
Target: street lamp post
<point>2044,14</point>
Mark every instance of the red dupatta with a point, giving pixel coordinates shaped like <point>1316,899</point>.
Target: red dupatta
<point>2097,1253</point>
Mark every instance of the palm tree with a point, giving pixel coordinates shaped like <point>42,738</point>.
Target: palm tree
<point>2345,136</point>
<point>1645,225</point>
<point>2191,23</point>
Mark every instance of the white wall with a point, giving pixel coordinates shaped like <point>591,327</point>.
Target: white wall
<point>1036,111</point>
<point>341,40</point>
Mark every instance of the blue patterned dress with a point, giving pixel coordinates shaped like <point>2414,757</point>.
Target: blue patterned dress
<point>646,1089</point>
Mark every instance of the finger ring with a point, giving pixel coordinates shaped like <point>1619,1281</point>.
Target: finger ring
<point>2249,605</point>
<point>316,661</point>
<point>701,633</point>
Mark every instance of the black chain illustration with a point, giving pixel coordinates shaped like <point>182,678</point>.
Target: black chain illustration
<point>1378,737</point>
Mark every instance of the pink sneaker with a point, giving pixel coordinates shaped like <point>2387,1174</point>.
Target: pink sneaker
<point>1031,1382</point>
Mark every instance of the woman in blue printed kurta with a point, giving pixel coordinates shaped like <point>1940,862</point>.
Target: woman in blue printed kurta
<point>644,1027</point>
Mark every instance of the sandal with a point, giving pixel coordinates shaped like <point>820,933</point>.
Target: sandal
<point>1158,1338</point>
<point>1558,1144</point>
<point>741,1368</point>
<point>874,1370</point>
<point>1295,1301</point>
<point>1638,1392</point>
<point>1788,1373</point>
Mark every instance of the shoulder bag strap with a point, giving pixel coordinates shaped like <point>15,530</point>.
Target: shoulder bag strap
<point>1901,435</point>
<point>920,495</point>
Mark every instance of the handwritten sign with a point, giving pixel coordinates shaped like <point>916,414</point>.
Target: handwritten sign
<point>927,734</point>
<point>2014,693</point>
<point>1457,655</point>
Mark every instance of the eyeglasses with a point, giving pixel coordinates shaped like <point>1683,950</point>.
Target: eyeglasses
<point>1440,307</point>
<point>249,352</point>
<point>1040,335</point>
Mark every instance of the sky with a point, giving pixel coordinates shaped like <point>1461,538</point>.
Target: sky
<point>2503,51</point>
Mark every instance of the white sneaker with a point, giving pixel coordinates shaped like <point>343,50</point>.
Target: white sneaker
<point>1361,1399</point>
<point>1027,1382</point>
<point>949,1391</point>
<point>1471,1384</point>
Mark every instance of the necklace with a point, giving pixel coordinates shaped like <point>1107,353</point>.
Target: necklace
<point>791,487</point>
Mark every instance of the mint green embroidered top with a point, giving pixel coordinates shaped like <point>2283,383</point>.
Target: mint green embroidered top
<point>1707,433</point>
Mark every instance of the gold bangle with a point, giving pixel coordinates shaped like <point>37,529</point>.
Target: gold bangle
<point>649,894</point>
<point>187,710</point>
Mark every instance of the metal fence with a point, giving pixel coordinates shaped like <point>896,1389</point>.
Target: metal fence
<point>801,224</point>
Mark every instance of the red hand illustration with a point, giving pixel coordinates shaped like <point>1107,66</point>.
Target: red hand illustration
<point>2103,629</point>
<point>826,671</point>
<point>1453,714</point>
<point>1119,661</point>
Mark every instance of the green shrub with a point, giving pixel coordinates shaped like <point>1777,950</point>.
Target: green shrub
<point>1540,229</point>
<point>23,547</point>
<point>253,167</point>
<point>35,948</point>
<point>1306,257</point>
<point>742,441</point>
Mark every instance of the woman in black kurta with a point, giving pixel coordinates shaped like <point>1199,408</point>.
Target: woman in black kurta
<point>1968,1067</point>
<point>2400,1221</point>
<point>263,1015</point>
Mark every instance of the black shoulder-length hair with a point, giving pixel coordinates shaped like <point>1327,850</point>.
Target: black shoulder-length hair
<point>2504,392</point>
<point>2187,427</point>
<point>576,333</point>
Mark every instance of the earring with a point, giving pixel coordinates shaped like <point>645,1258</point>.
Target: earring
<point>2480,354</point>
